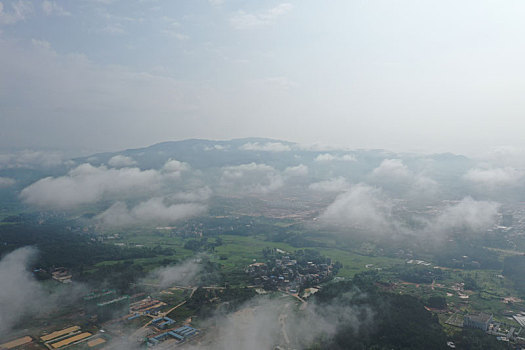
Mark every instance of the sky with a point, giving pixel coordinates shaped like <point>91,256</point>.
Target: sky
<point>106,75</point>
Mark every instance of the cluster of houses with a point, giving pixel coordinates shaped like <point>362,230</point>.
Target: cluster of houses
<point>288,274</point>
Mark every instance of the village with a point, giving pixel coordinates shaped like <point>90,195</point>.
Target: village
<point>290,272</point>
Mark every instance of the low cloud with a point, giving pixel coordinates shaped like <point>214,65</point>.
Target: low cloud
<point>21,295</point>
<point>264,323</point>
<point>424,188</point>
<point>18,287</point>
<point>394,176</point>
<point>183,274</point>
<point>30,159</point>
<point>216,148</point>
<point>495,177</point>
<point>274,323</point>
<point>154,211</point>
<point>338,184</point>
<point>467,216</point>
<point>328,157</point>
<point>392,168</point>
<point>299,170</point>
<point>174,168</point>
<point>120,161</point>
<point>368,209</point>
<point>251,178</point>
<point>6,182</point>
<point>266,147</point>
<point>505,156</point>
<point>89,184</point>
<point>321,147</point>
<point>362,207</point>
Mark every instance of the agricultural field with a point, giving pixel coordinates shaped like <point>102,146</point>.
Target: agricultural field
<point>236,252</point>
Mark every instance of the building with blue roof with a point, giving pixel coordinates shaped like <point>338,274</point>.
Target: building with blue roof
<point>163,322</point>
<point>180,334</point>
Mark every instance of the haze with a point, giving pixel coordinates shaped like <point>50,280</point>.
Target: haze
<point>429,76</point>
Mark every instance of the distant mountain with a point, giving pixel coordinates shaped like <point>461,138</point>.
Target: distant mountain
<point>202,154</point>
<point>276,160</point>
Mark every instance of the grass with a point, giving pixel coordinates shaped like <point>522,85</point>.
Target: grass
<point>354,263</point>
<point>181,313</point>
<point>172,296</point>
<point>241,250</point>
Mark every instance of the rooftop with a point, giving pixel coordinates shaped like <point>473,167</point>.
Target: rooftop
<point>481,317</point>
<point>17,342</point>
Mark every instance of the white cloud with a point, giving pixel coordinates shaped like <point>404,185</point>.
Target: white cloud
<point>245,20</point>
<point>30,159</point>
<point>505,156</point>
<point>6,182</point>
<point>52,8</point>
<point>181,274</point>
<point>362,207</point>
<point>22,296</point>
<point>495,177</point>
<point>175,168</point>
<point>468,215</point>
<point>263,323</point>
<point>299,170</point>
<point>267,147</point>
<point>120,161</point>
<point>251,178</point>
<point>348,158</point>
<point>153,211</point>
<point>89,184</point>
<point>424,187</point>
<point>327,157</point>
<point>368,209</point>
<point>393,175</point>
<point>392,168</point>
<point>338,184</point>
<point>18,287</point>
<point>216,148</point>
<point>321,147</point>
<point>20,10</point>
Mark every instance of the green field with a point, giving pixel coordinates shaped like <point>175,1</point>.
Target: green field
<point>236,252</point>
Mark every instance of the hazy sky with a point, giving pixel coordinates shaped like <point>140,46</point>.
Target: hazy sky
<point>402,75</point>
